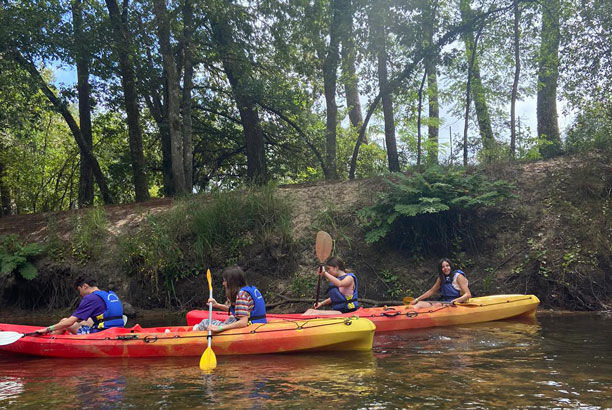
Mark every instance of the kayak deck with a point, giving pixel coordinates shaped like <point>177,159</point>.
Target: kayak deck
<point>403,317</point>
<point>330,334</point>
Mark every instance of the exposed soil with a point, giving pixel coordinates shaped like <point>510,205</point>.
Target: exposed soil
<point>554,240</point>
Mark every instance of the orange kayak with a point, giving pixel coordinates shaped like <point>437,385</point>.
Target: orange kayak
<point>328,334</point>
<point>402,317</point>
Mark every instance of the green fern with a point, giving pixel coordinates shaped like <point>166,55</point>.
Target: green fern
<point>426,203</point>
<point>15,257</point>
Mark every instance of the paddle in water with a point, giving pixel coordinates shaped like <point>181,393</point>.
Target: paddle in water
<point>208,361</point>
<point>323,248</point>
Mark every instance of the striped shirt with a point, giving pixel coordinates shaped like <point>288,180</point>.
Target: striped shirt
<point>244,304</point>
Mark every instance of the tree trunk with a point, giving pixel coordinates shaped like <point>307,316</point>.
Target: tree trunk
<point>187,87</point>
<point>330,75</point>
<point>126,65</point>
<point>172,102</point>
<point>377,22</point>
<point>5,193</point>
<point>517,73</point>
<point>86,189</point>
<point>429,24</point>
<point>419,115</point>
<point>61,107</point>
<point>548,74</point>
<point>349,74</point>
<point>238,71</point>
<point>478,91</point>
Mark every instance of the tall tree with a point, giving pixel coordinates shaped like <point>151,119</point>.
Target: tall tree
<point>517,73</point>
<point>330,77</point>
<point>82,58</point>
<point>62,107</point>
<point>237,68</point>
<point>379,44</point>
<point>478,90</point>
<point>429,25</point>
<point>548,74</point>
<point>187,88</point>
<point>123,48</point>
<point>349,54</point>
<point>173,94</point>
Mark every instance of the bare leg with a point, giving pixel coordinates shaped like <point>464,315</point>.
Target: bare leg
<point>315,312</point>
<point>420,305</point>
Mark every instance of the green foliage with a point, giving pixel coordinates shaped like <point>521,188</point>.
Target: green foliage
<point>16,257</point>
<point>204,231</point>
<point>592,129</point>
<point>89,234</point>
<point>302,285</point>
<point>430,208</point>
<point>335,221</point>
<point>394,286</point>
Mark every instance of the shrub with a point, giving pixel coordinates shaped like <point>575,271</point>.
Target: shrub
<point>16,257</point>
<point>430,209</point>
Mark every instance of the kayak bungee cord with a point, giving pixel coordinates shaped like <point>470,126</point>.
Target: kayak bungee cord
<point>152,337</point>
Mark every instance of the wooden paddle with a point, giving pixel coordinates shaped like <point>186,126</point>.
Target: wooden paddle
<point>208,361</point>
<point>6,338</point>
<point>323,248</point>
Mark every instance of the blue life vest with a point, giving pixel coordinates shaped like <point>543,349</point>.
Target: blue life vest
<point>112,316</point>
<point>258,314</point>
<point>342,302</point>
<point>447,289</point>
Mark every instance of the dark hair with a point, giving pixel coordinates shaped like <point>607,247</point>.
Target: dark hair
<point>440,273</point>
<point>82,279</point>
<point>336,262</point>
<point>236,280</point>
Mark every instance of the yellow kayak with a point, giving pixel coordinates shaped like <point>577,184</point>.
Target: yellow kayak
<point>403,317</point>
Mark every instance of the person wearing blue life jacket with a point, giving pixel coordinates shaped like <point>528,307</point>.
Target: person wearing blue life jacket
<point>245,303</point>
<point>342,290</point>
<point>452,284</point>
<point>98,310</point>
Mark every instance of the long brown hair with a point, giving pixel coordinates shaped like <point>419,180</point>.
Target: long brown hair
<point>236,280</point>
<point>336,262</point>
<point>441,274</point>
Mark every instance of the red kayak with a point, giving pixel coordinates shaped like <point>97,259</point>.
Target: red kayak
<point>330,334</point>
<point>402,317</point>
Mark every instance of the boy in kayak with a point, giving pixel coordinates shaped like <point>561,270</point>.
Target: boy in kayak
<point>451,283</point>
<point>97,311</point>
<point>245,303</point>
<point>342,289</point>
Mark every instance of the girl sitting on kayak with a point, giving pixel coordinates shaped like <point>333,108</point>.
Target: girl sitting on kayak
<point>245,303</point>
<point>451,283</point>
<point>342,289</point>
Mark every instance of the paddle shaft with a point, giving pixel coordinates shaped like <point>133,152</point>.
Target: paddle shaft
<point>210,295</point>
<point>318,286</point>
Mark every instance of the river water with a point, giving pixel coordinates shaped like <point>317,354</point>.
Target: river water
<point>553,361</point>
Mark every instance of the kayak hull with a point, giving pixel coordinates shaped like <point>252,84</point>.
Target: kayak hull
<point>402,317</point>
<point>285,336</point>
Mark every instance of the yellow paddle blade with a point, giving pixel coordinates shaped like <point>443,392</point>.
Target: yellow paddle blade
<point>209,278</point>
<point>407,300</point>
<point>208,361</point>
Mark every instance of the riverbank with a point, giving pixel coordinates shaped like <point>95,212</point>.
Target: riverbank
<point>552,239</point>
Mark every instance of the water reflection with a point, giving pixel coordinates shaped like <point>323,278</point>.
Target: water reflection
<point>556,361</point>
